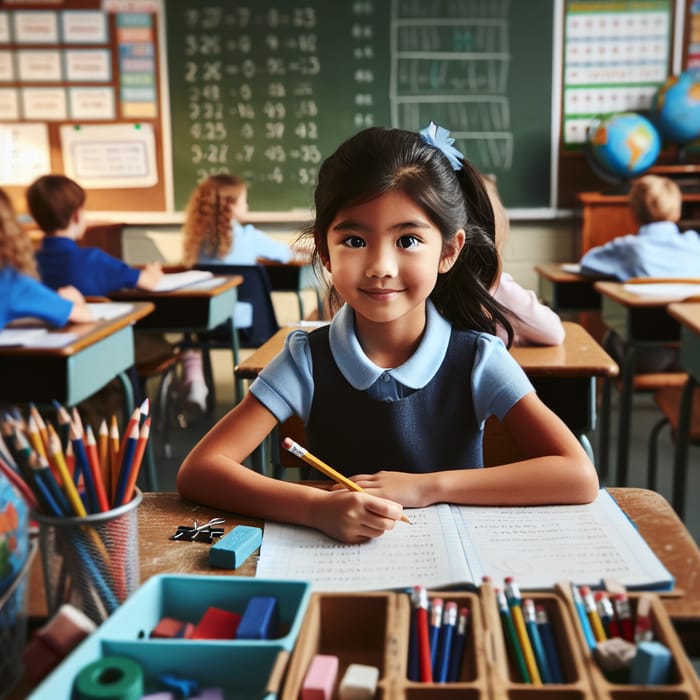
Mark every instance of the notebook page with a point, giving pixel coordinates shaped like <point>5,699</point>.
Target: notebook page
<point>426,552</point>
<point>545,544</point>
<point>175,280</point>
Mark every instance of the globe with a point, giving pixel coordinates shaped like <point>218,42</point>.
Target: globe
<point>622,146</point>
<point>676,107</point>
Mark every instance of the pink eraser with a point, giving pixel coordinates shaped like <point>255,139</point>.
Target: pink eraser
<point>320,678</point>
<point>55,640</point>
<point>167,628</point>
<point>217,624</point>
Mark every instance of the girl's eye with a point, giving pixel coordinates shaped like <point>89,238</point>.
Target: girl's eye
<point>354,242</point>
<point>408,242</point>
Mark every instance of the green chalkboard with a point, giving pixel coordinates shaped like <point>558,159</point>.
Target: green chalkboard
<point>267,89</point>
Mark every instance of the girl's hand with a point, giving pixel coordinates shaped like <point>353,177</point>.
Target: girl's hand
<point>353,517</point>
<point>402,487</point>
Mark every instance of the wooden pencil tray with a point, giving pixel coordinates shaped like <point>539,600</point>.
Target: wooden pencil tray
<point>684,683</point>
<point>373,628</point>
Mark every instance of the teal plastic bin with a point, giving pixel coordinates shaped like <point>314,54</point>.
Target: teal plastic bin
<point>247,669</point>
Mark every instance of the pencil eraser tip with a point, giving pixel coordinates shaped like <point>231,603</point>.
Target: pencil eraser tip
<point>287,443</point>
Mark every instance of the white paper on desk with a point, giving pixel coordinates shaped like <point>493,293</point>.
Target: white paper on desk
<point>571,267</point>
<point>175,280</point>
<point>34,338</point>
<point>456,545</point>
<point>106,311</point>
<point>665,290</point>
<point>14,337</point>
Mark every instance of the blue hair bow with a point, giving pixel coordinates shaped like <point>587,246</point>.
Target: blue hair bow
<point>440,138</point>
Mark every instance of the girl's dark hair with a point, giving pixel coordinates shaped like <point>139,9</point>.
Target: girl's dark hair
<point>376,161</point>
<point>52,200</point>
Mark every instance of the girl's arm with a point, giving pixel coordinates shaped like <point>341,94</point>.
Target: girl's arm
<point>213,473</point>
<point>556,469</point>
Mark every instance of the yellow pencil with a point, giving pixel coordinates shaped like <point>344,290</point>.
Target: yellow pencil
<point>66,480</point>
<point>298,451</point>
<point>514,603</point>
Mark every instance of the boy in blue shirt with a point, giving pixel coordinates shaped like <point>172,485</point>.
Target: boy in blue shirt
<point>56,204</point>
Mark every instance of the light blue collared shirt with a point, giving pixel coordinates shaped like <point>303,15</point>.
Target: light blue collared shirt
<point>286,385</point>
<point>249,244</point>
<point>659,249</point>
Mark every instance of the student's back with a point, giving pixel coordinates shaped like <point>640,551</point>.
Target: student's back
<point>659,248</point>
<point>57,203</point>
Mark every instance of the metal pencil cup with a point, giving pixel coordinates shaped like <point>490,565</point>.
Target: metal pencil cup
<point>91,562</point>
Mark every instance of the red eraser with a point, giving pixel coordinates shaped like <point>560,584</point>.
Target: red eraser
<point>217,624</point>
<point>320,678</point>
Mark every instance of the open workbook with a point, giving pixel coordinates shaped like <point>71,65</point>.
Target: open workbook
<point>455,546</point>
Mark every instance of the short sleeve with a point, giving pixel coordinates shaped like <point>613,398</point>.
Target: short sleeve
<point>498,381</point>
<point>285,386</point>
<point>29,297</point>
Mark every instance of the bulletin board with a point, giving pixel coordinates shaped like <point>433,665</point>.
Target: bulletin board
<point>80,94</point>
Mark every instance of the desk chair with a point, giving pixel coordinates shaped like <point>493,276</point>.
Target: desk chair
<point>669,403</point>
<point>255,290</point>
<point>639,383</point>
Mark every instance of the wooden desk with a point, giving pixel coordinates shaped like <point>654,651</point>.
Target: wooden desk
<point>606,216</point>
<point>641,321</point>
<point>160,514</point>
<point>294,276</point>
<point>70,374</point>
<point>565,291</point>
<point>193,309</point>
<point>688,315</point>
<point>564,375</point>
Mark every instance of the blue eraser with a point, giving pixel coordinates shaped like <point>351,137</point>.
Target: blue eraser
<point>235,547</point>
<point>260,620</point>
<point>651,664</point>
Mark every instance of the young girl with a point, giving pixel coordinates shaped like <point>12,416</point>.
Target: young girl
<point>395,392</point>
<point>214,232</point>
<point>21,293</point>
<point>533,323</point>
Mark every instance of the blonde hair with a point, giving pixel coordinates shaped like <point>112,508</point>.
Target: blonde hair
<point>208,219</point>
<point>16,248</point>
<point>655,198</point>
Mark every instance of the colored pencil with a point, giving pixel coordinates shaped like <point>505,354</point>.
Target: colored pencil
<point>134,420</point>
<point>35,439</point>
<point>550,644</point>
<point>420,603</point>
<point>512,640</point>
<point>41,426</point>
<point>592,614</point>
<point>514,603</point>
<point>533,632</point>
<point>435,628</point>
<point>298,451</point>
<point>64,421</point>
<point>96,469</point>
<point>447,639</point>
<point>114,450</point>
<point>83,464</point>
<point>125,467</point>
<point>66,480</point>
<point>460,643</point>
<point>137,460</point>
<point>103,455</point>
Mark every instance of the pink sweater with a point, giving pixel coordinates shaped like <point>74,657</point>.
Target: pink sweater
<point>533,322</point>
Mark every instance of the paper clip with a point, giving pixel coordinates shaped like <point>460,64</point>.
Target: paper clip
<point>200,533</point>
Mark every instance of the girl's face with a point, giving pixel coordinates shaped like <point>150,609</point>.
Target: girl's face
<point>385,256</point>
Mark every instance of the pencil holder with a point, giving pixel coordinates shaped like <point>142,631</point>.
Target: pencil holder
<point>90,562</point>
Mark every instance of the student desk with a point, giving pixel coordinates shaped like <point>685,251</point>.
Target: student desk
<point>70,374</point>
<point>688,315</point>
<point>564,375</point>
<point>160,514</point>
<point>566,291</point>
<point>196,308</point>
<point>294,276</point>
<point>641,321</point>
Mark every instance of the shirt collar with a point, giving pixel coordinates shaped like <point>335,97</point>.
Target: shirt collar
<point>361,372</point>
<point>658,228</point>
<point>58,242</point>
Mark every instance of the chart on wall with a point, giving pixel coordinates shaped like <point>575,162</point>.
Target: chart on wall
<point>268,89</point>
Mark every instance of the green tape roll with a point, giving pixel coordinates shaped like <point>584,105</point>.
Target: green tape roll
<point>109,678</point>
